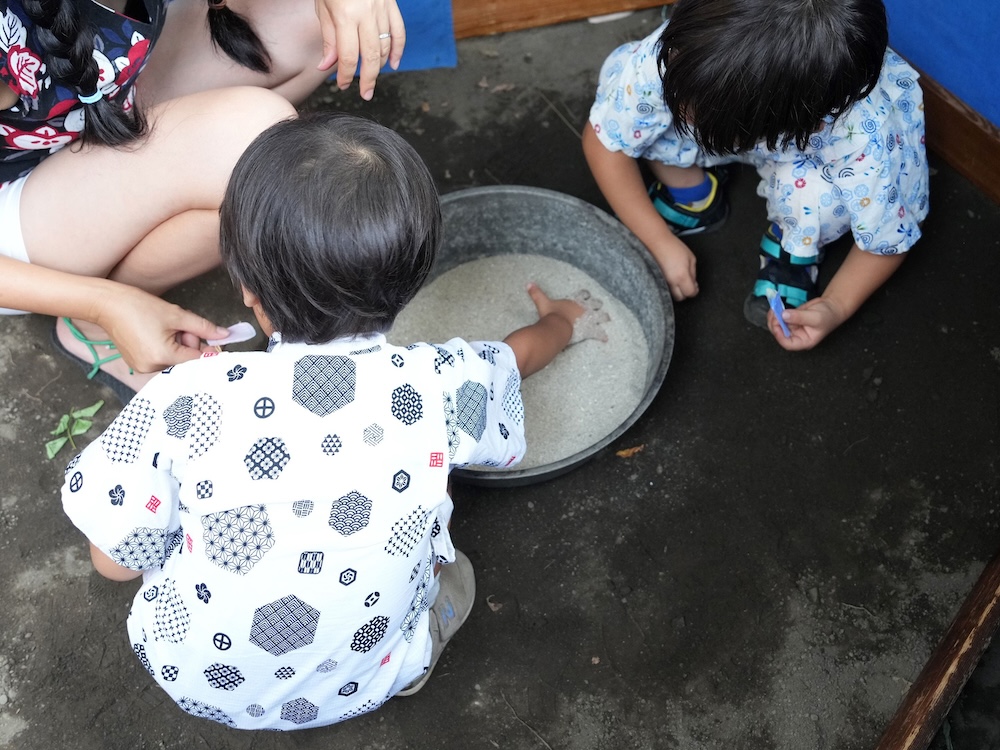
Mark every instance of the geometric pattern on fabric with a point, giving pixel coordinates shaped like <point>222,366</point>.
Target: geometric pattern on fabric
<point>407,532</point>
<point>350,513</point>
<point>369,350</point>
<point>368,635</point>
<point>237,539</point>
<point>285,673</point>
<point>418,606</point>
<point>327,666</point>
<point>125,435</point>
<point>206,417</point>
<point>140,651</point>
<point>255,710</point>
<point>178,416</point>
<point>303,508</point>
<point>310,563</point>
<point>471,408</point>
<point>366,707</point>
<point>205,711</point>
<point>284,625</point>
<point>141,549</point>
<point>323,384</point>
<point>444,357</point>
<point>171,618</point>
<point>203,490</point>
<point>224,677</point>
<point>488,353</point>
<point>400,480</point>
<point>373,434</point>
<point>512,403</point>
<point>407,406</point>
<point>299,711</point>
<point>451,424</point>
<point>331,445</point>
<point>267,458</point>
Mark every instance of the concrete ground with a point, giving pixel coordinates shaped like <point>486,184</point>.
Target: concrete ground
<point>770,571</point>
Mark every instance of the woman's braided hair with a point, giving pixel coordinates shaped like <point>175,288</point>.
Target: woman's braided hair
<point>67,38</point>
<point>234,35</point>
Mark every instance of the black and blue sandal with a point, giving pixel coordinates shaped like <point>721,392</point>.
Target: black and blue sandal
<point>792,277</point>
<point>684,221</point>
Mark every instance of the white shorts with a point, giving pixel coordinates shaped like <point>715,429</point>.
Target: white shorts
<point>11,238</point>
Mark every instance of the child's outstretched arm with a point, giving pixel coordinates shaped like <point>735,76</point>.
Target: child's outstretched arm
<point>536,345</point>
<point>620,181</point>
<point>855,281</point>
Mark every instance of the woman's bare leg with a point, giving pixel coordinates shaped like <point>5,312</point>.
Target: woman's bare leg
<point>145,215</point>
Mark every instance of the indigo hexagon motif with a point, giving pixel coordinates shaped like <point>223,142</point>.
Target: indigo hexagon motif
<point>237,539</point>
<point>471,408</point>
<point>349,689</point>
<point>284,625</point>
<point>205,711</point>
<point>400,480</point>
<point>407,406</point>
<point>303,508</point>
<point>368,635</point>
<point>350,513</point>
<point>267,458</point>
<point>323,384</point>
<point>331,445</point>
<point>224,677</point>
<point>178,416</point>
<point>143,548</point>
<point>348,576</point>
<point>299,711</point>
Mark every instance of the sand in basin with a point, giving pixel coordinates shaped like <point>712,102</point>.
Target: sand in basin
<point>585,394</point>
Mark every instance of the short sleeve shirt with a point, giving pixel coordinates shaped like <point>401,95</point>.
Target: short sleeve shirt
<point>864,172</point>
<point>287,509</point>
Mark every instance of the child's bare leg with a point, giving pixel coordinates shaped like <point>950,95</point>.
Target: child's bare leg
<point>677,177</point>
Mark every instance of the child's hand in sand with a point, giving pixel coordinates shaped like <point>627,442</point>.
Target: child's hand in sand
<point>582,311</point>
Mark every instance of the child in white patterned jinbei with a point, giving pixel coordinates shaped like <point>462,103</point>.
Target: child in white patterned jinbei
<point>288,510</point>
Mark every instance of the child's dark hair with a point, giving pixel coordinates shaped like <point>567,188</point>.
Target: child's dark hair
<point>736,72</point>
<point>67,38</point>
<point>333,221</point>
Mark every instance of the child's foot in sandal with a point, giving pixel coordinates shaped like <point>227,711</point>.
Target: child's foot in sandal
<point>694,210</point>
<point>792,277</point>
<point>98,358</point>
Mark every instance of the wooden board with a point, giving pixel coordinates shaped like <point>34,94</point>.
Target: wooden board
<point>962,137</point>
<point>482,17</point>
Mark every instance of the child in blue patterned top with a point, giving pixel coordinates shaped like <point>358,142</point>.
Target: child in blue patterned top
<point>808,93</point>
<point>288,509</point>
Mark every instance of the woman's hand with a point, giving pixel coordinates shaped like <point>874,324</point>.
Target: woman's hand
<point>356,29</point>
<point>151,333</point>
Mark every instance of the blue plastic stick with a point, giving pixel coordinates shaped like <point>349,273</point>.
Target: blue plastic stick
<point>775,301</point>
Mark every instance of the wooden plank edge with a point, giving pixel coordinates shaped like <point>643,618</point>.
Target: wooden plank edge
<point>951,663</point>
<point>485,17</point>
<point>965,139</point>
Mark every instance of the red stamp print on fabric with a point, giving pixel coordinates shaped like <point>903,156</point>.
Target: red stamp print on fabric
<point>154,503</point>
<point>437,459</point>
<point>386,659</point>
<point>189,542</point>
<point>510,460</point>
<point>210,353</point>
